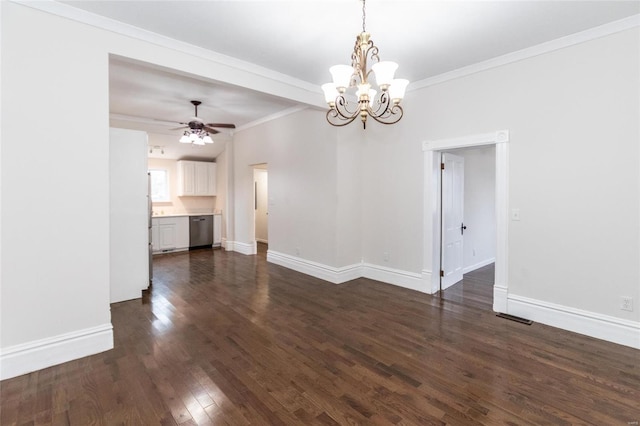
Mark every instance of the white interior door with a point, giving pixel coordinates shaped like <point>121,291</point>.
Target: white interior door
<point>452,263</point>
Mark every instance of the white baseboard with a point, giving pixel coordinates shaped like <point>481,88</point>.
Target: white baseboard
<point>411,280</point>
<point>27,357</point>
<point>500,298</point>
<point>243,248</point>
<point>315,269</point>
<point>611,329</point>
<point>414,281</point>
<point>478,265</point>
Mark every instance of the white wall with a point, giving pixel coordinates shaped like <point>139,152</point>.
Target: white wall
<point>55,263</point>
<point>567,111</point>
<point>301,152</point>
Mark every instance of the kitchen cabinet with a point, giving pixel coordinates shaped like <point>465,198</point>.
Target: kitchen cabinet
<point>196,178</point>
<point>170,233</point>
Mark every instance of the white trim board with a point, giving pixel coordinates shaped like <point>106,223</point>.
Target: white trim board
<point>530,52</point>
<point>478,265</point>
<point>25,358</point>
<point>315,269</point>
<point>431,203</point>
<point>411,280</point>
<point>242,248</point>
<point>604,327</point>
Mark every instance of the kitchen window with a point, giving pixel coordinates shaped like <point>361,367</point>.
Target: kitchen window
<point>159,185</point>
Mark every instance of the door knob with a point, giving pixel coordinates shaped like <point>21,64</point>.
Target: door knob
<point>462,228</point>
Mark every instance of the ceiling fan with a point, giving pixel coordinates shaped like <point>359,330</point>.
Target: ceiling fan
<point>198,127</point>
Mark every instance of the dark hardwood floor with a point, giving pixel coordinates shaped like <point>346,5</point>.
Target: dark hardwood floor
<point>228,339</point>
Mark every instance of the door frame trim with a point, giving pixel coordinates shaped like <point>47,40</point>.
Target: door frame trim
<point>431,202</point>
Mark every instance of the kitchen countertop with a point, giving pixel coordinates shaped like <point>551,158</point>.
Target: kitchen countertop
<point>185,214</point>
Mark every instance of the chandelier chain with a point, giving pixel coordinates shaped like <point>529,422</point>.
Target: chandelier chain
<point>364,17</point>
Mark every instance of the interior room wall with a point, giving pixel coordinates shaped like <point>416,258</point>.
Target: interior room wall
<point>301,153</point>
<point>55,264</point>
<point>178,205</point>
<point>568,112</point>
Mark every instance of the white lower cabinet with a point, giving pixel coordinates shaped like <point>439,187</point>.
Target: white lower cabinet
<point>170,233</point>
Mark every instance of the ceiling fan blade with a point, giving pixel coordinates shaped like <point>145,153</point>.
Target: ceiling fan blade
<point>180,128</point>
<point>222,125</point>
<point>211,130</point>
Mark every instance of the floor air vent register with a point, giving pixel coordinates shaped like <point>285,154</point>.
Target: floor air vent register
<point>515,318</point>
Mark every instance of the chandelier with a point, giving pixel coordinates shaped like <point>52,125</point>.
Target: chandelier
<point>386,107</point>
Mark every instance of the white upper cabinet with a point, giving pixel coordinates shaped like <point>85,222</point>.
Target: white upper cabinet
<point>196,178</point>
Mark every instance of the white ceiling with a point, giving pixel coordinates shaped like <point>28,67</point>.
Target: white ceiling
<point>303,38</point>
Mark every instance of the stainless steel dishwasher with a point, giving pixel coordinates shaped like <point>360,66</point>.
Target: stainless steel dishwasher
<point>200,231</point>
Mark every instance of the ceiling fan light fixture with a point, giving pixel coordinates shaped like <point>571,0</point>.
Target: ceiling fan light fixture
<point>197,132</point>
<point>386,107</point>
<point>185,138</point>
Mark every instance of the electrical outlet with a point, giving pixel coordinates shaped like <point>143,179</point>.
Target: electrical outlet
<point>515,214</point>
<point>385,256</point>
<point>626,303</point>
<point>297,251</point>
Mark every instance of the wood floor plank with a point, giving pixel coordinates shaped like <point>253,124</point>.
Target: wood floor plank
<point>228,339</point>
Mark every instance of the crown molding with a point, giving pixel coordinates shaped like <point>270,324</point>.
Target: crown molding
<point>271,117</point>
<point>82,16</point>
<point>79,15</point>
<point>530,52</point>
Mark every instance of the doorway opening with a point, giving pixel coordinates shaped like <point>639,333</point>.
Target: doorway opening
<point>433,204</point>
<point>468,229</point>
<point>261,208</point>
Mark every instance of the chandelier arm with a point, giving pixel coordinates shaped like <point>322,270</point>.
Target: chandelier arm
<point>395,113</point>
<point>337,120</point>
<point>383,102</point>
<point>342,110</point>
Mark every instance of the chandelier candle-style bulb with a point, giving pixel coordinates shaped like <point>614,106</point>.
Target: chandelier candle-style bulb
<point>384,108</point>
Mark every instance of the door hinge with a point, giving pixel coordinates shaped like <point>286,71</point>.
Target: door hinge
<point>441,273</point>
<point>441,166</point>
